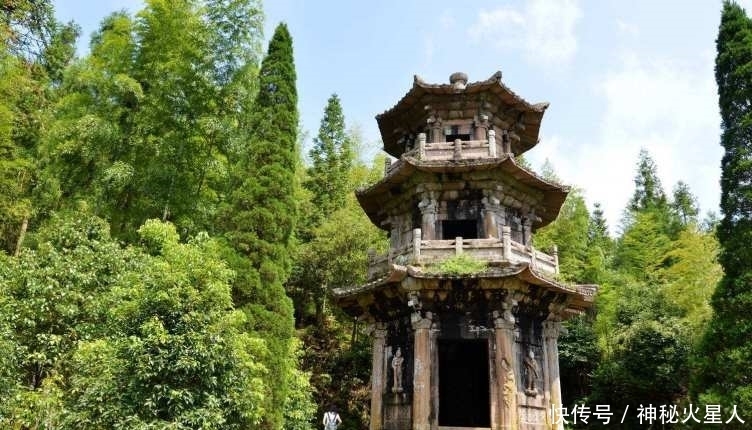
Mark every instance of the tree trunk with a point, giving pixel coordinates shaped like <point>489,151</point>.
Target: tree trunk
<point>21,235</point>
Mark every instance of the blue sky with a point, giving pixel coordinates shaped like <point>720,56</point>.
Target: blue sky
<point>619,75</point>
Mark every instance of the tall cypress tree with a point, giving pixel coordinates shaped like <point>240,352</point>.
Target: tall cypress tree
<point>726,349</point>
<point>261,216</point>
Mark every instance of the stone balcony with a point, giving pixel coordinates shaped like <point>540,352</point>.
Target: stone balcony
<point>456,150</point>
<point>422,252</point>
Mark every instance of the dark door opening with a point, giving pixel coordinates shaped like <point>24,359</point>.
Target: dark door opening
<point>463,383</point>
<point>453,137</point>
<point>464,228</point>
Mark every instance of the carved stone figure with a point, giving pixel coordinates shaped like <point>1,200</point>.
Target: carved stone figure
<point>532,373</point>
<point>397,367</point>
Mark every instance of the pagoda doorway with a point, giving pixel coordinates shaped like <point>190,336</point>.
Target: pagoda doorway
<point>464,399</point>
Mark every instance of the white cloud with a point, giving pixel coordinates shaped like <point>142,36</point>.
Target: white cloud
<point>544,29</point>
<point>666,107</point>
<point>627,28</point>
<point>447,19</point>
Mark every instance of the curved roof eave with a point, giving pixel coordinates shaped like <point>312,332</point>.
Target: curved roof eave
<point>371,198</point>
<point>389,118</point>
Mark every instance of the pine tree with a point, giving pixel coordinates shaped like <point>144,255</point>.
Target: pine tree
<point>648,193</point>
<point>332,158</point>
<point>329,185</point>
<point>598,227</point>
<point>684,204</point>
<point>726,349</point>
<point>261,216</point>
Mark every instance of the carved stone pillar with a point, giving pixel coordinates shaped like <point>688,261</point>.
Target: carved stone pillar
<point>551,331</point>
<point>434,124</point>
<point>506,387</point>
<point>481,128</point>
<point>457,149</point>
<point>378,375</point>
<point>422,146</point>
<point>506,143</point>
<point>491,208</point>
<point>527,229</point>
<point>387,165</point>
<point>394,233</point>
<point>422,371</point>
<point>428,207</point>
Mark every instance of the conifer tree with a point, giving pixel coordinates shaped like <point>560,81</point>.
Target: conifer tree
<point>261,216</point>
<point>726,349</point>
<point>648,193</point>
<point>684,204</point>
<point>329,184</point>
<point>332,159</point>
<point>598,227</point>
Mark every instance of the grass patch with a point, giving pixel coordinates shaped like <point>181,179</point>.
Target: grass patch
<point>461,264</point>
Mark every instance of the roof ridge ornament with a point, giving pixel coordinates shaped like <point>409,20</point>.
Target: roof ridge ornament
<point>458,80</point>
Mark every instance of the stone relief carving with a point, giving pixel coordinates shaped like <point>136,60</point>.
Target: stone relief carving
<point>397,361</point>
<point>532,373</point>
<point>509,383</point>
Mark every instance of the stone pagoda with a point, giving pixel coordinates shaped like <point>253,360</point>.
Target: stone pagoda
<point>477,350</point>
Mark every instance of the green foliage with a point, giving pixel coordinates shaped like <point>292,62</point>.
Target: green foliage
<point>125,339</point>
<point>458,265</point>
<point>684,204</point>
<point>30,32</point>
<point>56,298</point>
<point>260,216</point>
<point>578,358</point>
<point>342,362</point>
<point>332,159</point>
<point>570,234</point>
<point>648,193</point>
<point>642,247</point>
<point>726,349</point>
<point>178,355</point>
<point>690,279</point>
<point>332,256</point>
<point>16,163</point>
<point>34,49</point>
<point>148,121</point>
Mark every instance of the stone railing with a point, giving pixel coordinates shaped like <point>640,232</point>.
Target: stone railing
<point>443,151</point>
<point>457,150</point>
<point>424,252</point>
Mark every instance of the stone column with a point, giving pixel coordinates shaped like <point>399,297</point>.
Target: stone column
<point>481,128</point>
<point>421,371</point>
<point>422,146</point>
<point>491,207</point>
<point>428,207</point>
<point>506,143</point>
<point>417,239</point>
<point>457,149</point>
<point>505,358</point>
<point>527,230</point>
<point>378,375</point>
<point>555,253</point>
<point>492,143</point>
<point>437,135</point>
<point>506,242</point>
<point>551,330</point>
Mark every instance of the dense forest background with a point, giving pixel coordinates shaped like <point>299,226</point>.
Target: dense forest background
<point>168,248</point>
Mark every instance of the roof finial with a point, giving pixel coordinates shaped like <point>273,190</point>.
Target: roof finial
<point>459,80</point>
